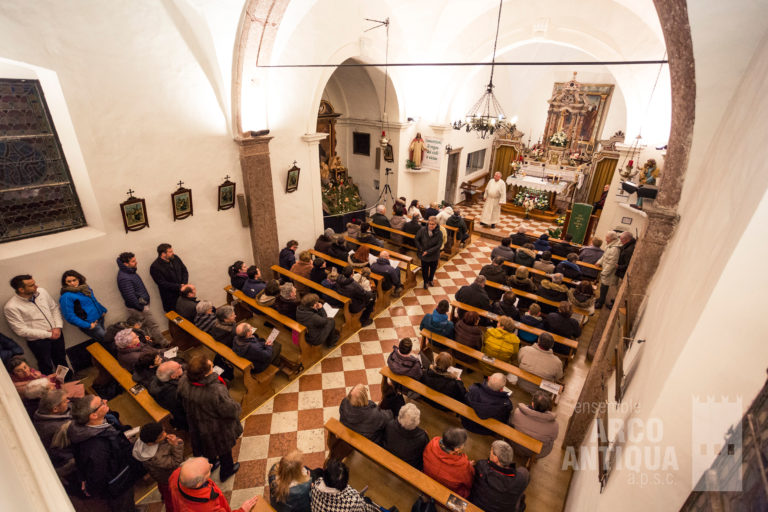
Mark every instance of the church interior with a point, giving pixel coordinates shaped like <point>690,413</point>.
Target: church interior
<point>283,118</point>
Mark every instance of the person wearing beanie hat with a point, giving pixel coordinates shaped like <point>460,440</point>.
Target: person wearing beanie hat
<point>160,454</point>
<point>287,302</point>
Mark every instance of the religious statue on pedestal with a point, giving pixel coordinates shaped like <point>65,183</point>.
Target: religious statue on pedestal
<point>417,149</point>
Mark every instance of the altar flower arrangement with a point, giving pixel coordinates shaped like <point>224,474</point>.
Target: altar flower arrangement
<point>528,204</point>
<point>558,139</point>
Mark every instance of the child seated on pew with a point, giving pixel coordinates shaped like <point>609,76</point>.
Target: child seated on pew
<point>533,318</point>
<point>160,453</point>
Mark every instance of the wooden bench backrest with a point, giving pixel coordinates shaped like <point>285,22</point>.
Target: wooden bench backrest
<point>536,271</point>
<point>270,312</point>
<point>500,428</point>
<point>520,325</point>
<point>124,378</point>
<point>399,467</point>
<point>376,277</point>
<point>502,366</point>
<point>393,230</point>
<point>311,284</point>
<point>396,255</point>
<point>206,339</point>
<point>532,296</point>
<point>560,258</point>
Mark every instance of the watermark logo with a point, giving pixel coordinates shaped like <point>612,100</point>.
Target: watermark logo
<point>716,444</point>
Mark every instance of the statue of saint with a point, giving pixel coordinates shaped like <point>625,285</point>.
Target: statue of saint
<point>417,149</point>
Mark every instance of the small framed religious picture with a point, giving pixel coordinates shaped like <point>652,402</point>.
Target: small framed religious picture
<point>181,201</point>
<point>292,182</point>
<point>226,194</point>
<point>134,213</point>
<point>389,155</point>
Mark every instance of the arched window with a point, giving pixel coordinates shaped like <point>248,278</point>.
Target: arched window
<point>37,196</point>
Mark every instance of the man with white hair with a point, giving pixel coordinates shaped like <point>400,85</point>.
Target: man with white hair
<point>383,266</point>
<point>380,218</point>
<point>498,485</point>
<point>403,437</point>
<point>163,389</point>
<point>489,400</point>
<point>495,194</point>
<point>609,263</point>
<point>192,489</point>
<point>520,238</point>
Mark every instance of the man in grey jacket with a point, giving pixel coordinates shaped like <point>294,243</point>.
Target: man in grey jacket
<point>609,263</point>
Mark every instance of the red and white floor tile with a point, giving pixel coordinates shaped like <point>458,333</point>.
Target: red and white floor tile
<point>508,223</point>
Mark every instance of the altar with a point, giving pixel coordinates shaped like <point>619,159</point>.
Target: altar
<point>538,190</point>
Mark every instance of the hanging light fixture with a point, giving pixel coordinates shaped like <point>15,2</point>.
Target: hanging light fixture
<point>486,116</point>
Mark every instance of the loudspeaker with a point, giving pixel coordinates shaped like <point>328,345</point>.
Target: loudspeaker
<point>242,206</point>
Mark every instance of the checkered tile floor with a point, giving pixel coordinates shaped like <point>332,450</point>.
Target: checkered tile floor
<point>294,418</point>
<point>508,223</point>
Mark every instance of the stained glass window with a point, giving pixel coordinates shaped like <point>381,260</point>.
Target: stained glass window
<point>37,196</point>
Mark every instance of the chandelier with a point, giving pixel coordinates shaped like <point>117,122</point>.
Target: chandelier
<point>486,116</point>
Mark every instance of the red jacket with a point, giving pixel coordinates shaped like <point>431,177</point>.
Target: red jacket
<point>208,498</point>
<point>453,471</point>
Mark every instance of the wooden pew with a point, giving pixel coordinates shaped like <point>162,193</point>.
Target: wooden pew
<point>452,244</point>
<point>309,354</point>
<point>257,387</point>
<point>400,468</point>
<point>262,505</point>
<point>407,266</point>
<point>351,322</point>
<point>572,345</point>
<point>538,273</point>
<point>409,240</point>
<point>534,297</point>
<point>582,264</point>
<point>383,297</point>
<point>502,429</point>
<point>105,362</point>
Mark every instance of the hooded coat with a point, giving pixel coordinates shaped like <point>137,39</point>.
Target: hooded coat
<point>469,335</point>
<point>539,425</point>
<point>213,416</point>
<point>160,460</point>
<point>552,291</point>
<point>52,429</point>
<point>347,287</point>
<point>408,365</point>
<point>487,403</point>
<point>525,285</point>
<point>569,270</point>
<point>503,251</point>
<point>88,307</point>
<point>406,444</point>
<point>169,276</point>
<point>102,454</point>
<point>368,421</point>
<point>500,344</point>
<point>497,488</point>
<point>452,470</point>
<point>131,286</point>
<point>525,257</point>
<point>497,274</point>
<point>323,243</point>
<point>505,308</point>
<point>438,323</point>
<point>590,254</point>
<point>319,326</point>
<point>445,384</point>
<point>542,243</point>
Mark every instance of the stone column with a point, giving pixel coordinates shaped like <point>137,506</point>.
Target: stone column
<point>313,175</point>
<point>259,195</point>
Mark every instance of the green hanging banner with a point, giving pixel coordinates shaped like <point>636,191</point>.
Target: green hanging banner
<point>577,224</point>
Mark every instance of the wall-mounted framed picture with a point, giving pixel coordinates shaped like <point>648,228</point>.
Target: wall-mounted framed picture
<point>292,181</point>
<point>134,213</point>
<point>181,201</point>
<point>227,194</point>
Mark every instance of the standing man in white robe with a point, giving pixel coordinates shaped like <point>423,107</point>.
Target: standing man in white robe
<point>495,194</point>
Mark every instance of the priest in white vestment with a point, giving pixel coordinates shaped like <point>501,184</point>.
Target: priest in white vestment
<point>495,194</point>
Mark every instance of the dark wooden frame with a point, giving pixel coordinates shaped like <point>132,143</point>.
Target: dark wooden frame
<point>181,214</point>
<point>389,153</point>
<point>139,225</point>
<point>361,143</point>
<point>293,171</point>
<point>231,204</point>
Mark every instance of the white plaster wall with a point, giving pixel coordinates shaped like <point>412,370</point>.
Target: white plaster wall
<point>702,301</point>
<point>145,115</point>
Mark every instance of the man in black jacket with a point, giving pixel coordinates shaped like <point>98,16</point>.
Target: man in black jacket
<point>494,272</point>
<point>489,400</point>
<point>163,389</point>
<point>103,454</point>
<point>382,266</point>
<point>412,226</point>
<point>564,248</point>
<point>186,304</point>
<point>257,350</point>
<point>498,485</point>
<point>520,237</point>
<point>380,218</point>
<point>429,240</point>
<point>320,328</point>
<point>627,249</point>
<point>170,274</point>
<point>475,295</point>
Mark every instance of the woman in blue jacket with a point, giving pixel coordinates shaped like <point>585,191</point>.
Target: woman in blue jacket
<point>80,307</point>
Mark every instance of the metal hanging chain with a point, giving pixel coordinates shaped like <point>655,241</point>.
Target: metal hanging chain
<point>495,42</point>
